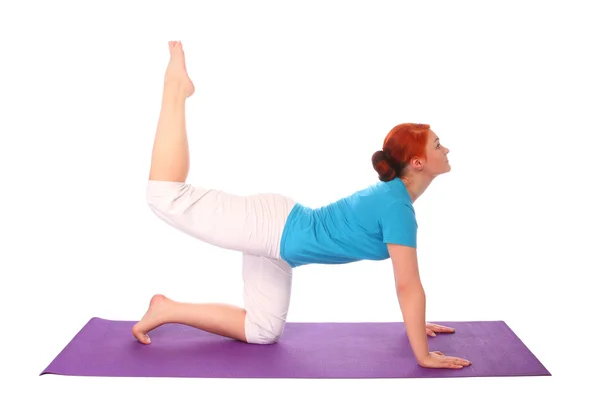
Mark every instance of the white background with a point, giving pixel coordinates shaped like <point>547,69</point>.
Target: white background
<point>294,97</point>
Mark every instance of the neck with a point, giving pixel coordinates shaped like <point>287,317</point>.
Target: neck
<point>416,185</point>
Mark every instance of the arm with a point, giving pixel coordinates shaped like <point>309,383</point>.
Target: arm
<point>411,297</point>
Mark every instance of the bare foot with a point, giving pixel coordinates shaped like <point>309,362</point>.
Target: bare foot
<point>154,317</point>
<point>176,69</point>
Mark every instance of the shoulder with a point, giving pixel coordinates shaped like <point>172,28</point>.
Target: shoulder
<point>398,209</point>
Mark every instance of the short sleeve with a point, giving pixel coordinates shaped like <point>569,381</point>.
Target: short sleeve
<point>399,225</point>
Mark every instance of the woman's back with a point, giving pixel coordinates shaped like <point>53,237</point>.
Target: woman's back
<point>356,227</point>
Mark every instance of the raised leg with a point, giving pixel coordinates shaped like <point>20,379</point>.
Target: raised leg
<point>170,154</point>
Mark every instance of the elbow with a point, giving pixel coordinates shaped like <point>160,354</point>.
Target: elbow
<point>409,286</point>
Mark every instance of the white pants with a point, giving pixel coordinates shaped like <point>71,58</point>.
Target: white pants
<point>252,225</point>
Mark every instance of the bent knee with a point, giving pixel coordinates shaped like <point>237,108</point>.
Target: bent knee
<point>263,333</point>
<point>160,195</point>
<point>264,339</point>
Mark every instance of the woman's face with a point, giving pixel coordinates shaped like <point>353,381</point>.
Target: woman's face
<point>437,155</point>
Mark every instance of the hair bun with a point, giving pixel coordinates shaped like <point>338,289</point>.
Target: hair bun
<point>382,164</point>
<point>388,155</point>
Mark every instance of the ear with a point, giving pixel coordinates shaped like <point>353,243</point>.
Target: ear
<point>416,163</point>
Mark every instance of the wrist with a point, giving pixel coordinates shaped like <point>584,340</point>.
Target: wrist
<point>422,357</point>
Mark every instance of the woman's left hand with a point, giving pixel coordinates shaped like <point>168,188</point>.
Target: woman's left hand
<point>432,328</point>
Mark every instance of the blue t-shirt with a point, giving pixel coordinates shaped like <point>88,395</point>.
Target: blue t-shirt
<point>356,227</point>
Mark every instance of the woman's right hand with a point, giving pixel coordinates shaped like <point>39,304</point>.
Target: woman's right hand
<point>437,359</point>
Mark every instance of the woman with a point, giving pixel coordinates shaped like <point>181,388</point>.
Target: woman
<point>276,234</point>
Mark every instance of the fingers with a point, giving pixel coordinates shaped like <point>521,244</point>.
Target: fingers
<point>457,364</point>
<point>449,361</point>
<point>439,328</point>
<point>430,332</point>
<point>459,361</point>
<point>454,362</point>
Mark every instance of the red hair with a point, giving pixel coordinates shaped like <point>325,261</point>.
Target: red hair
<point>401,144</point>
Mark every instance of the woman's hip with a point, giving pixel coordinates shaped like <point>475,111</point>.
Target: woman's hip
<point>252,224</point>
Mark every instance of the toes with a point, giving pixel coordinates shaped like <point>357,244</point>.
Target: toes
<point>142,337</point>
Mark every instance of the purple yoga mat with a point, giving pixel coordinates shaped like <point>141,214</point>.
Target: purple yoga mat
<point>306,350</point>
